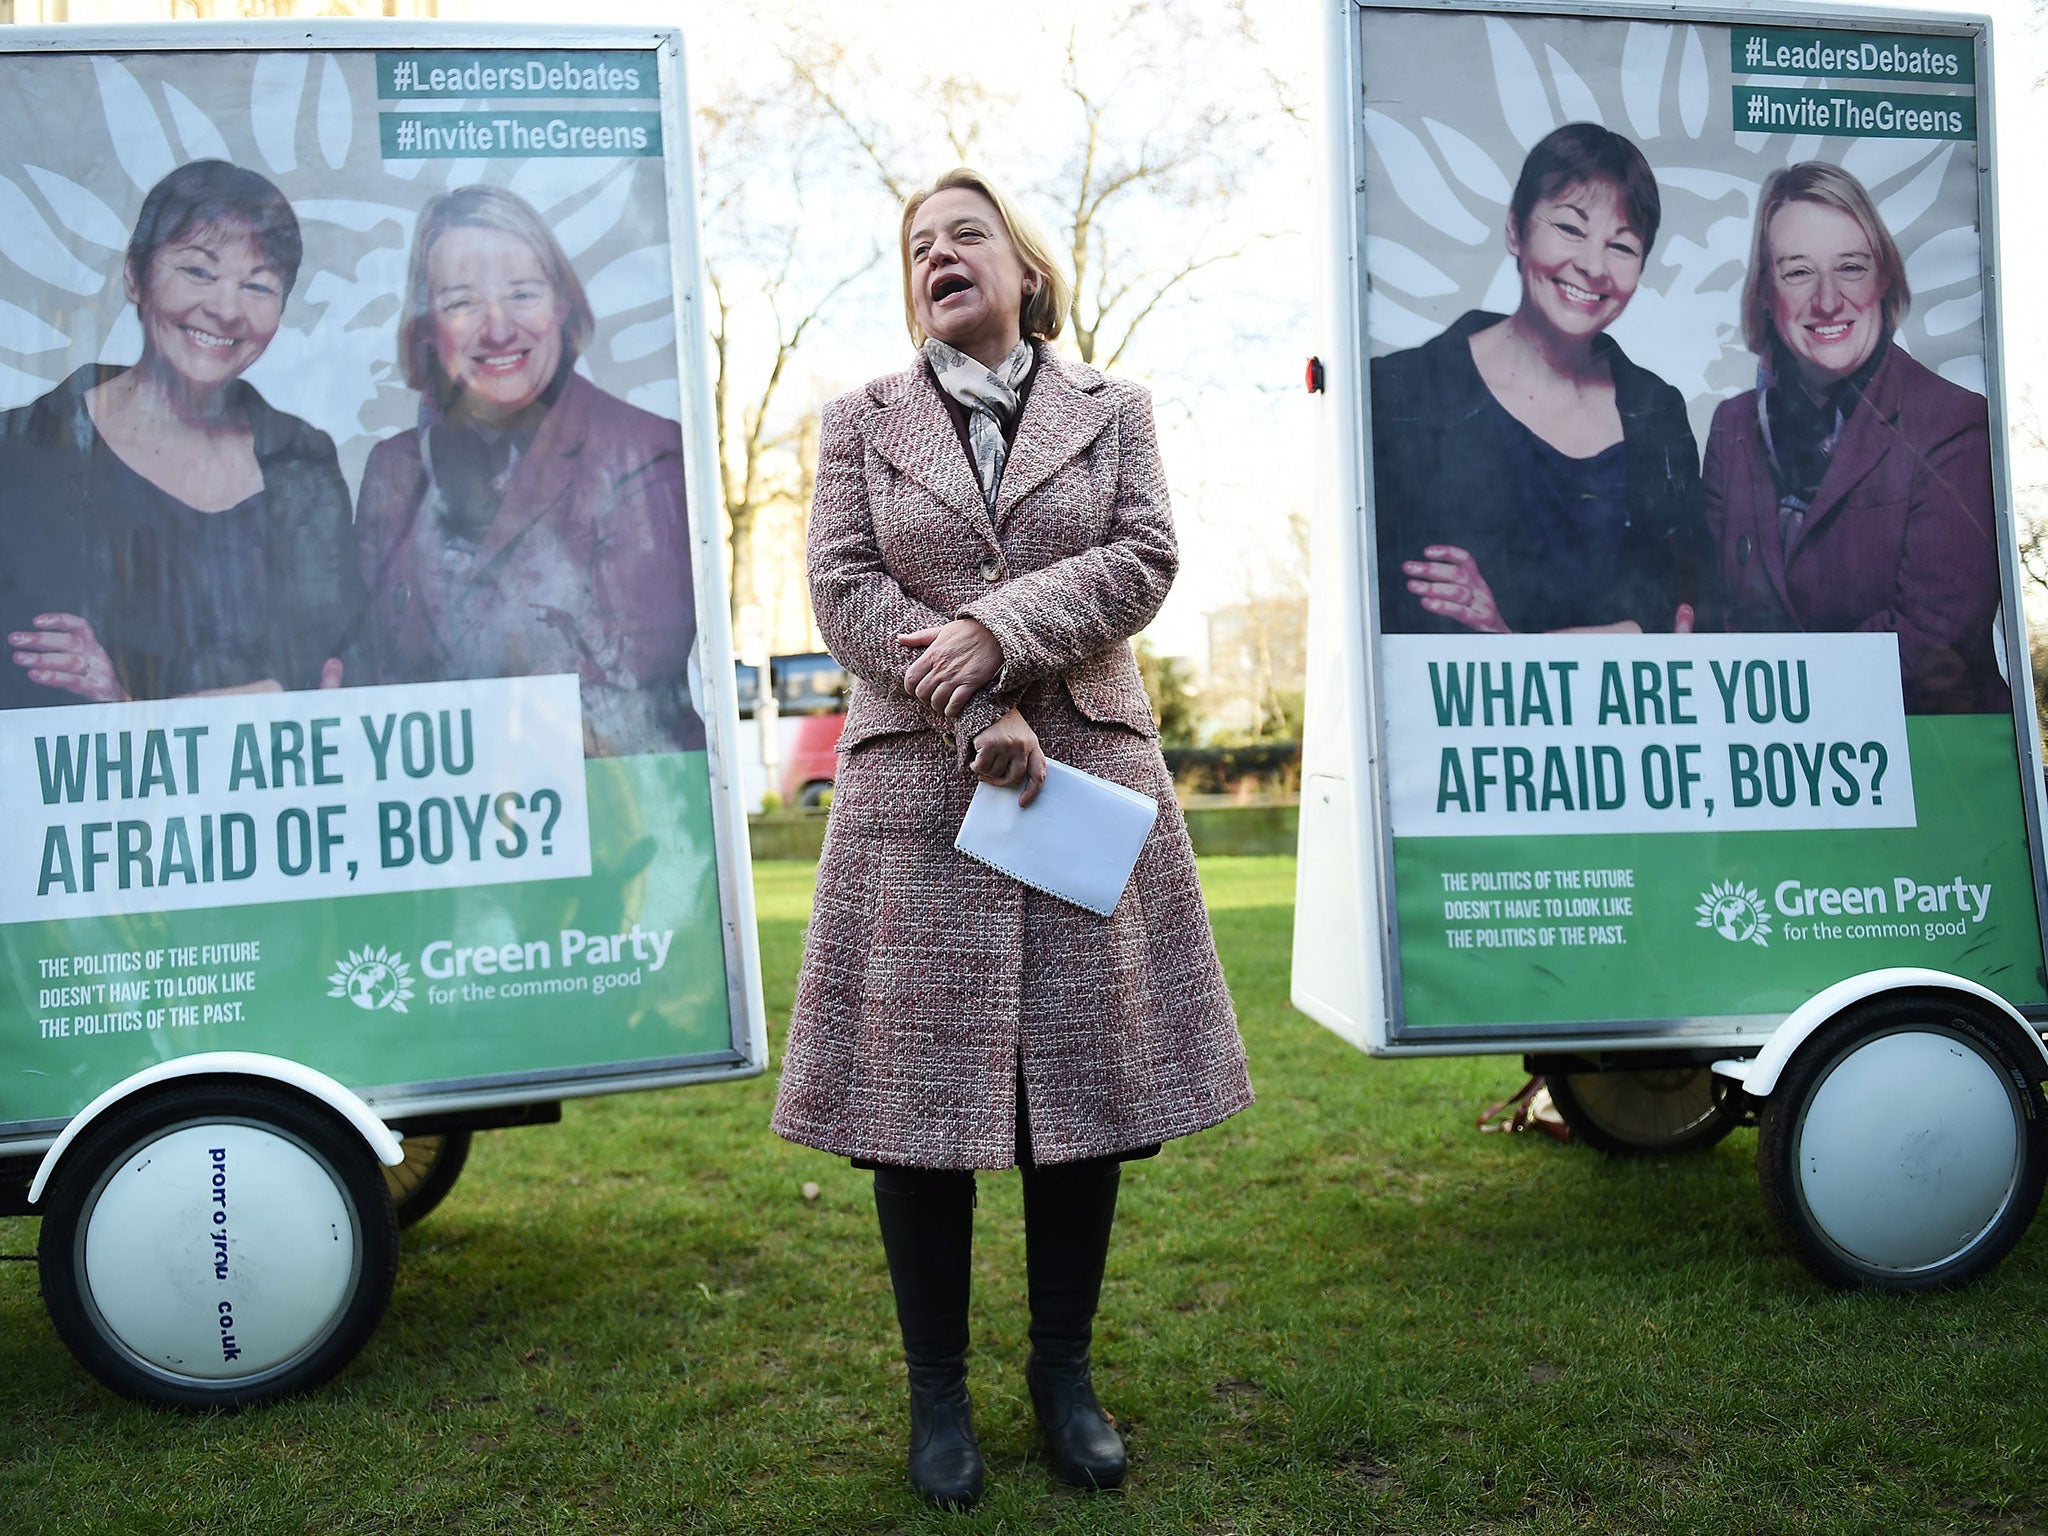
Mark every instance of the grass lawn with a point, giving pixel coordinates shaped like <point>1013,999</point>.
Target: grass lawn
<point>1342,1311</point>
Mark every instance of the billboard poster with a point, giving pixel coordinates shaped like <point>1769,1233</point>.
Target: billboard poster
<point>353,705</point>
<point>1690,614</point>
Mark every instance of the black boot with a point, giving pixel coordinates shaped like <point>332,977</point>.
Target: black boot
<point>1067,1217</point>
<point>927,1220</point>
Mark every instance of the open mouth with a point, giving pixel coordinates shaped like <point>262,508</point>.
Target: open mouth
<point>1577,294</point>
<point>1834,330</point>
<point>208,340</point>
<point>500,362</point>
<point>944,288</point>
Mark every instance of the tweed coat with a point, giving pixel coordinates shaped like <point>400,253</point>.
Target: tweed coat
<point>932,985</point>
<point>1901,535</point>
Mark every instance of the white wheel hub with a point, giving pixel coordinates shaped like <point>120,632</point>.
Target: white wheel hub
<point>219,1251</point>
<point>1909,1150</point>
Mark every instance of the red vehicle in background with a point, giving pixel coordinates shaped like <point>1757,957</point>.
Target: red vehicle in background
<point>794,749</point>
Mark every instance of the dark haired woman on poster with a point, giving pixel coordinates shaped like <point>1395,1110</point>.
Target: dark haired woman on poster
<point>1851,489</point>
<point>1528,476</point>
<point>531,523</point>
<point>167,531</point>
<point>991,527</point>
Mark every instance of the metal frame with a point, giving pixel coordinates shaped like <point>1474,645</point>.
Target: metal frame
<point>747,1052</point>
<point>1356,560</point>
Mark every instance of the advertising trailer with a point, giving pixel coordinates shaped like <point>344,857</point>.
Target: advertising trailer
<point>367,721</point>
<point>1670,718</point>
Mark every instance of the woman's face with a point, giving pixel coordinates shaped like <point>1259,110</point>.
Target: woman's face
<point>210,306</point>
<point>497,319</point>
<point>1580,259</point>
<point>966,277</point>
<point>1827,297</point>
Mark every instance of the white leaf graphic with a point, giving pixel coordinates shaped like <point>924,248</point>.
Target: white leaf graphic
<point>1574,98</point>
<point>644,339</point>
<point>1389,323</point>
<point>1805,147</point>
<point>546,183</point>
<point>79,210</point>
<point>18,388</point>
<point>660,399</point>
<point>1966,371</point>
<point>1522,99</point>
<point>595,219</point>
<point>196,132</point>
<point>464,172</point>
<point>27,241</point>
<point>1469,163</point>
<point>335,121</point>
<point>21,331</point>
<point>1643,54</point>
<point>1693,89</point>
<point>350,213</point>
<point>1705,183</point>
<point>404,170</point>
<point>1950,257</point>
<point>1904,207</point>
<point>124,338</point>
<point>1420,184</point>
<point>138,138</point>
<point>640,277</point>
<point>1876,161</point>
<point>1953,314</point>
<point>1389,261</point>
<point>275,92</point>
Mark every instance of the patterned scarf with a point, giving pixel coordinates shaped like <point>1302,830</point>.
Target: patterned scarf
<point>990,399</point>
<point>1800,432</point>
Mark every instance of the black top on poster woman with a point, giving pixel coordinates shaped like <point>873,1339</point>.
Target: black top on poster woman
<point>1527,475</point>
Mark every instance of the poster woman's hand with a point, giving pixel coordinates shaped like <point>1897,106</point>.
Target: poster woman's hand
<point>1447,580</point>
<point>61,651</point>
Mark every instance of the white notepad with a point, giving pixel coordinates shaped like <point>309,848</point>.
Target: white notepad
<point>1078,840</point>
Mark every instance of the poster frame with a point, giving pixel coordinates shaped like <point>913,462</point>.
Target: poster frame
<point>1347,967</point>
<point>746,1051</point>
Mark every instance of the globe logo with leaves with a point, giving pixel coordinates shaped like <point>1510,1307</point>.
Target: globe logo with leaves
<point>373,979</point>
<point>1737,913</point>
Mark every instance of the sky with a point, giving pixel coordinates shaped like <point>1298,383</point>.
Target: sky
<point>1238,442</point>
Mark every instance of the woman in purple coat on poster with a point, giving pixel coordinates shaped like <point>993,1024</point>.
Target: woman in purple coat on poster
<point>531,523</point>
<point>1851,489</point>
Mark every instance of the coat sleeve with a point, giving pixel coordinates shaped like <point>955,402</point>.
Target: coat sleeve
<point>1947,586</point>
<point>860,605</point>
<point>1058,616</point>
<point>1714,474</point>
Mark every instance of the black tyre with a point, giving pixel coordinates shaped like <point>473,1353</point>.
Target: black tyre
<point>1905,1145</point>
<point>217,1245</point>
<point>432,1165</point>
<point>813,794</point>
<point>1643,1112</point>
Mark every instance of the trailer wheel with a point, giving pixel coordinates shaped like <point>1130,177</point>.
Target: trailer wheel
<point>1643,1112</point>
<point>1905,1146</point>
<point>217,1245</point>
<point>432,1165</point>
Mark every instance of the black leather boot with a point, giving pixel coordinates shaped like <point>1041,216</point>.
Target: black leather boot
<point>927,1221</point>
<point>1067,1216</point>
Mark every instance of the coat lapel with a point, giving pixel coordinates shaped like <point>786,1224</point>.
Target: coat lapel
<point>545,471</point>
<point>1061,419</point>
<point>914,433</point>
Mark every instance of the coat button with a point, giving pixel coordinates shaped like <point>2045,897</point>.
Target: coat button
<point>992,569</point>
<point>1742,550</point>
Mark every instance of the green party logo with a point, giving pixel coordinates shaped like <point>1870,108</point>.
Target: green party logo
<point>1737,913</point>
<point>373,979</point>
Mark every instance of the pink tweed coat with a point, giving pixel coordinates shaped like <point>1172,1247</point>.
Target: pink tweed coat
<point>931,984</point>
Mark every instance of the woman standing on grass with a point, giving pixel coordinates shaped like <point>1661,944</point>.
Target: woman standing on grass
<point>991,527</point>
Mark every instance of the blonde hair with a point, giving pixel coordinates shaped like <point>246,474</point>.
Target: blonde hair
<point>1045,308</point>
<point>1815,181</point>
<point>480,207</point>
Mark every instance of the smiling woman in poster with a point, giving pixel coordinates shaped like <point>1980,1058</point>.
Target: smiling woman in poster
<point>1528,476</point>
<point>168,531</point>
<point>531,523</point>
<point>991,527</point>
<point>1851,489</point>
